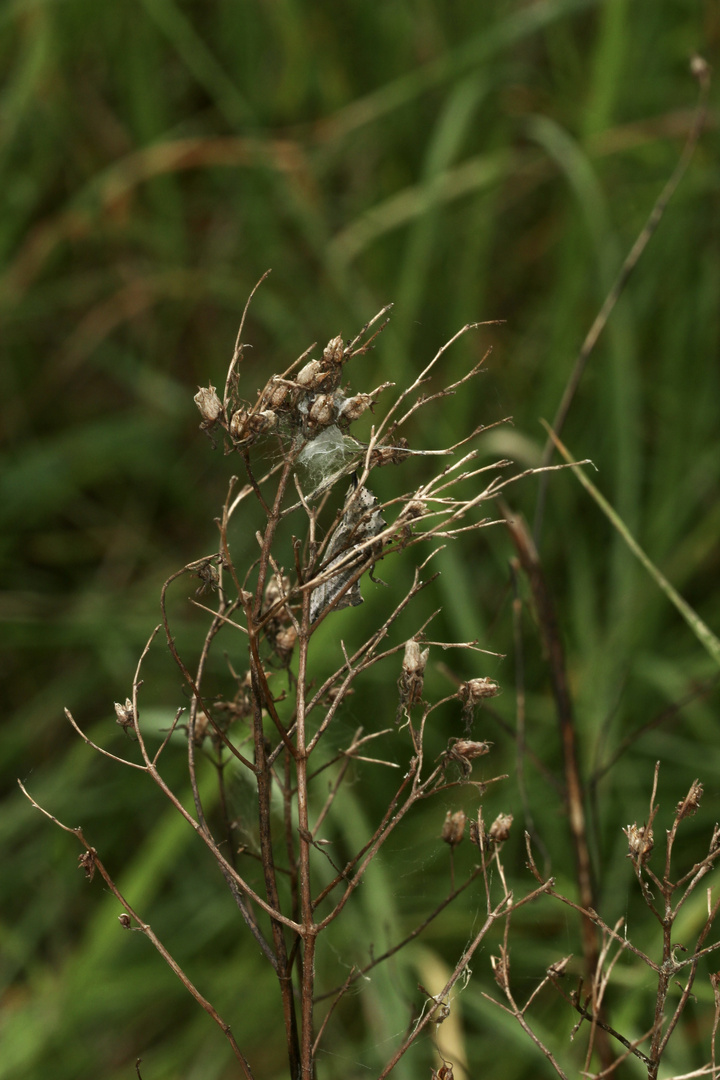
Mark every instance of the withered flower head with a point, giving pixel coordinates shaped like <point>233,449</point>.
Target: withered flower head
<point>557,970</point>
<point>473,691</point>
<point>125,714</point>
<point>239,424</point>
<point>277,589</point>
<point>264,420</point>
<point>413,509</point>
<point>353,407</point>
<point>453,828</point>
<point>691,803</point>
<point>390,455</point>
<point>410,683</point>
<point>470,748</point>
<point>415,659</point>
<point>209,404</point>
<point>499,831</point>
<point>209,578</point>
<point>501,968</point>
<point>276,393</point>
<point>285,642</point>
<point>311,376</point>
<point>322,410</point>
<point>334,351</point>
<point>640,842</point>
<point>463,751</point>
<point>699,67</point>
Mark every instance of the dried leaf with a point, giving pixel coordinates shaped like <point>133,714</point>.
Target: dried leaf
<point>361,521</point>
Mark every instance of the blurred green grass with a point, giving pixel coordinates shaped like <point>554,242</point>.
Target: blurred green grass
<point>464,162</point>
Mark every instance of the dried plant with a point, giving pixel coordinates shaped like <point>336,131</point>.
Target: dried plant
<point>309,481</point>
<point>675,968</point>
<point>298,452</point>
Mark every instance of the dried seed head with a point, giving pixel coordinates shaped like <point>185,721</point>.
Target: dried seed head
<point>262,421</point>
<point>470,749</point>
<point>415,660</point>
<point>311,376</point>
<point>557,970</point>
<point>285,642</point>
<point>125,714</point>
<point>209,578</point>
<point>390,455</point>
<point>239,424</point>
<point>473,691</point>
<point>353,407</point>
<point>410,683</point>
<point>276,393</point>
<point>334,351</point>
<point>246,425</point>
<point>453,828</point>
<point>464,751</point>
<point>501,968</point>
<point>277,589</point>
<point>209,404</point>
<point>499,831</point>
<point>640,842</point>
<point>322,410</point>
<point>124,920</point>
<point>691,803</point>
<point>414,509</point>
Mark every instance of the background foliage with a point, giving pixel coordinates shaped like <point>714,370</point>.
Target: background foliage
<point>465,161</point>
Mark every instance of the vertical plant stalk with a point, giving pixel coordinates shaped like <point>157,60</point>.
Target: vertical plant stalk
<point>547,617</point>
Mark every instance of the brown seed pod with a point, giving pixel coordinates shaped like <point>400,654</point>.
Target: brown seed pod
<point>277,589</point>
<point>239,425</point>
<point>285,642</point>
<point>410,683</point>
<point>334,351</point>
<point>277,394</point>
<point>322,411</point>
<point>499,831</point>
<point>209,404</point>
<point>311,376</point>
<point>262,421</point>
<point>125,714</point>
<point>352,408</point>
<point>463,752</point>
<point>390,455</point>
<point>453,828</point>
<point>640,842</point>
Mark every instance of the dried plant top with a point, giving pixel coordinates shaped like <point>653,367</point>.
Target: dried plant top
<point>300,423</point>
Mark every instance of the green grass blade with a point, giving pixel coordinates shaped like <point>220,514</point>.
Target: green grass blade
<point>702,631</point>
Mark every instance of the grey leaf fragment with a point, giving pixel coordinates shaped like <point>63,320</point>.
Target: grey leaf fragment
<point>360,522</point>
